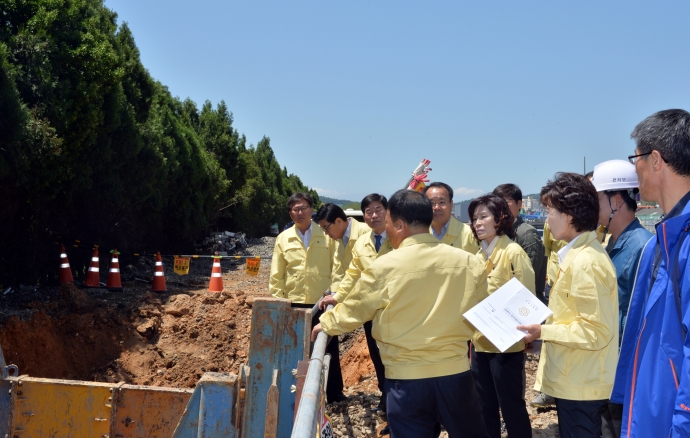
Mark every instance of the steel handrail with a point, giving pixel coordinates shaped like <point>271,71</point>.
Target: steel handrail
<point>307,413</point>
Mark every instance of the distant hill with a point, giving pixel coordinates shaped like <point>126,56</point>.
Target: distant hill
<point>342,203</point>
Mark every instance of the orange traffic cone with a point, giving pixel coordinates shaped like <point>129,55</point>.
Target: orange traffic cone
<point>93,278</point>
<point>159,276</point>
<point>65,275</point>
<point>216,284</point>
<point>114,284</point>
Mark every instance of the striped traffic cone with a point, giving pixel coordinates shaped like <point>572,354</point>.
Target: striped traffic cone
<point>114,284</point>
<point>65,274</point>
<point>93,278</point>
<point>216,283</point>
<point>159,276</point>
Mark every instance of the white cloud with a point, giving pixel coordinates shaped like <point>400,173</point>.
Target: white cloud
<point>464,192</point>
<point>327,192</point>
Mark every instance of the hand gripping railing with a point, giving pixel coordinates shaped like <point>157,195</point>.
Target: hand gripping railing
<point>306,421</point>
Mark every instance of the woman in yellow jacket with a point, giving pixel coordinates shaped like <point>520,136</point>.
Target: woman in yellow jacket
<point>499,377</point>
<point>578,358</point>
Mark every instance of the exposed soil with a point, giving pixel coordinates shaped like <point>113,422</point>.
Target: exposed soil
<point>172,338</point>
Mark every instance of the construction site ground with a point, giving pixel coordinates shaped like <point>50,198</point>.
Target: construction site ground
<point>172,338</point>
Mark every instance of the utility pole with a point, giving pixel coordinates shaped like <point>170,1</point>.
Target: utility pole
<point>584,168</point>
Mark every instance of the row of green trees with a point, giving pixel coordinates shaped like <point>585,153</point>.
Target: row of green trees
<point>93,148</point>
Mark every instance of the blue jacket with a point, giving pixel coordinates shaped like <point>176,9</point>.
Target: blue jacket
<point>652,377</point>
<point>625,255</point>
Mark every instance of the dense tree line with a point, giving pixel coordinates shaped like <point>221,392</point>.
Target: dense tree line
<point>91,147</point>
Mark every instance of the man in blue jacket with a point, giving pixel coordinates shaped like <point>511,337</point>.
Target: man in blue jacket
<point>653,373</point>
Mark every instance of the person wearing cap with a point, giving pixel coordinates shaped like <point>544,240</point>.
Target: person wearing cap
<point>500,375</point>
<point>616,184</point>
<point>367,249</point>
<point>579,352</point>
<point>416,296</point>
<point>445,227</point>
<point>653,373</point>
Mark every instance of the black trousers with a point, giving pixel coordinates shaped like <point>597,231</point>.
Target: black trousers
<point>334,386</point>
<point>579,418</point>
<point>415,407</point>
<point>499,380</point>
<point>376,360</point>
<point>611,419</point>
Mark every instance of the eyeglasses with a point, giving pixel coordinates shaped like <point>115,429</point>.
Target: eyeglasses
<point>327,227</point>
<point>298,210</point>
<point>633,158</point>
<point>378,210</point>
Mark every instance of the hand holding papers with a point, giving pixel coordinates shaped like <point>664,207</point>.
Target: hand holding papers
<point>498,315</point>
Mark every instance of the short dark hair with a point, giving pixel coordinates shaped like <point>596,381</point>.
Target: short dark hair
<point>330,212</point>
<point>299,196</point>
<point>440,185</point>
<point>508,191</point>
<point>411,207</point>
<point>374,197</point>
<point>667,132</point>
<point>574,195</point>
<point>629,202</point>
<point>498,207</point>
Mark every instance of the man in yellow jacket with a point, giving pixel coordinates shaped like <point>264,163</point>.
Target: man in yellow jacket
<point>444,226</point>
<point>302,269</point>
<point>416,297</point>
<point>367,249</point>
<point>578,359</point>
<point>345,231</point>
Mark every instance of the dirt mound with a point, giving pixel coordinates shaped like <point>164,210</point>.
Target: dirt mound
<point>356,363</point>
<point>135,336</point>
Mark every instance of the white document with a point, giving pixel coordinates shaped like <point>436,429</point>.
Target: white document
<point>498,315</point>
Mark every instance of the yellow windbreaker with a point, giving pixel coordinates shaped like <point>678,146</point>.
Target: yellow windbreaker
<point>507,260</point>
<point>578,358</point>
<point>343,254</point>
<point>416,296</point>
<point>299,274</point>
<point>460,235</point>
<point>551,248</point>
<point>363,253</point>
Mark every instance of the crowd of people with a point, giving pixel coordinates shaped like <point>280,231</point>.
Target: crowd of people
<point>615,355</point>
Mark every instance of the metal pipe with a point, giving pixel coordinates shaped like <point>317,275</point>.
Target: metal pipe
<point>316,306</point>
<point>307,413</point>
<point>327,364</point>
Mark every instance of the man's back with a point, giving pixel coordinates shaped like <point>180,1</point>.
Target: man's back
<point>417,295</point>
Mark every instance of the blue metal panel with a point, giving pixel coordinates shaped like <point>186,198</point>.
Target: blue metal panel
<point>215,407</point>
<point>5,407</point>
<point>210,410</point>
<point>295,347</point>
<point>279,339</point>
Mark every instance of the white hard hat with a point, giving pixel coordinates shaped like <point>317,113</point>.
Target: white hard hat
<point>614,175</point>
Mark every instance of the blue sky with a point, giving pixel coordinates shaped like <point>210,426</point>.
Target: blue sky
<point>354,94</point>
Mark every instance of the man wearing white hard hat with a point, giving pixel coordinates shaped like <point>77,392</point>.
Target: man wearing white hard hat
<point>616,182</point>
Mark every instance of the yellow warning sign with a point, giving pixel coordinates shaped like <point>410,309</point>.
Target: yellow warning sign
<point>181,265</point>
<point>253,266</point>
